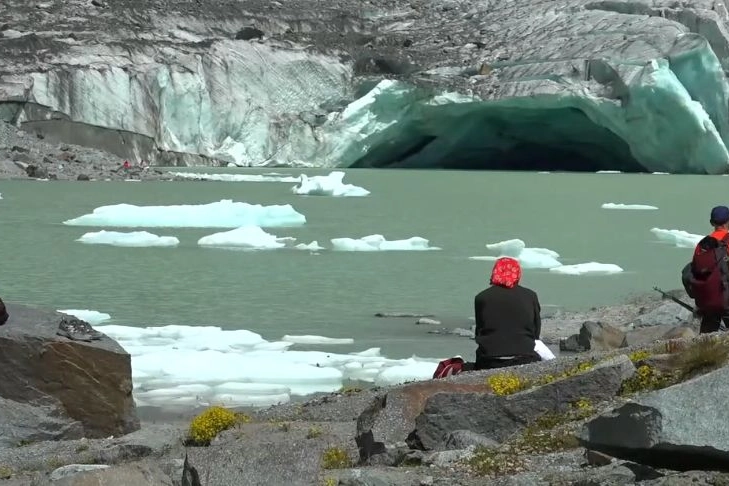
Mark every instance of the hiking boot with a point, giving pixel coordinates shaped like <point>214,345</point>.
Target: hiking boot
<point>77,330</point>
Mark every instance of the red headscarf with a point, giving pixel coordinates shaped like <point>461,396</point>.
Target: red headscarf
<point>506,272</point>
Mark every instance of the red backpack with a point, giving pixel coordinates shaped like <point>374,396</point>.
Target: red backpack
<point>448,367</point>
<point>709,276</point>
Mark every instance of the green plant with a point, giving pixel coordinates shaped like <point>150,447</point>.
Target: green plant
<point>313,432</point>
<point>701,356</point>
<point>82,448</point>
<point>507,383</point>
<point>646,378</point>
<point>281,425</point>
<point>335,458</point>
<point>350,390</point>
<point>487,461</point>
<point>212,421</point>
<point>5,472</point>
<point>640,355</point>
<point>329,482</point>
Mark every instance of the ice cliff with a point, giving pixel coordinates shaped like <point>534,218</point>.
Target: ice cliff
<point>632,85</point>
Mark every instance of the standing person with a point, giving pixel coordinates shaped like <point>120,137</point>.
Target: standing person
<point>508,319</point>
<point>706,277</point>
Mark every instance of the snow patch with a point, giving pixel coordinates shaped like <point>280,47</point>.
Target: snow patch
<point>680,238</point>
<point>379,243</point>
<point>135,239</point>
<point>328,185</point>
<point>221,214</point>
<point>587,268</point>
<point>627,206</point>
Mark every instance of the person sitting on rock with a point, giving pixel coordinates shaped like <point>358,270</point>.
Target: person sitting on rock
<point>4,316</point>
<point>508,319</point>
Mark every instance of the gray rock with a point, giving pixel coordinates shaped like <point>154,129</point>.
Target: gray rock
<point>672,428</point>
<point>390,416</point>
<point>72,469</point>
<point>598,336</point>
<point>647,335</point>
<point>447,458</point>
<point>463,439</point>
<point>138,474</point>
<point>498,417</point>
<point>88,382</point>
<point>668,313</point>
<point>22,423</point>
<point>378,477</point>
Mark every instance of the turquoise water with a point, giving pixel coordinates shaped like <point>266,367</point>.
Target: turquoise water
<point>335,294</point>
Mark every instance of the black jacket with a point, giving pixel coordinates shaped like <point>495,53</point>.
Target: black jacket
<point>508,321</point>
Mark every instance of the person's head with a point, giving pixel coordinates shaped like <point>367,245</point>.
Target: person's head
<point>719,217</point>
<point>506,272</point>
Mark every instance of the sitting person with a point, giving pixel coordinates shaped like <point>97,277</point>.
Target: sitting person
<point>508,320</point>
<point>3,313</point>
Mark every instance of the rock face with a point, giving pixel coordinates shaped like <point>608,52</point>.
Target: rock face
<point>680,427</point>
<point>23,423</point>
<point>498,417</point>
<point>85,387</point>
<point>196,81</point>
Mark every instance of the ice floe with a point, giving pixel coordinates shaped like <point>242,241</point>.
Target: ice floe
<point>327,185</point>
<point>543,258</point>
<point>680,238</point>
<point>587,268</point>
<point>627,206</point>
<point>221,214</point>
<point>380,243</point>
<point>236,177</point>
<point>131,239</point>
<point>246,237</point>
<point>183,366</point>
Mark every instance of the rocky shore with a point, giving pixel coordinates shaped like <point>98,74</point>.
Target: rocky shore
<point>624,411</point>
<point>25,155</point>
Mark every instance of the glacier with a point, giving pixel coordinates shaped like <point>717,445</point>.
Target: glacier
<point>620,85</point>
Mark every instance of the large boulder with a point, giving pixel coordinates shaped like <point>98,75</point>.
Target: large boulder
<point>665,332</point>
<point>595,336</point>
<point>391,415</point>
<point>682,427</point>
<point>498,417</point>
<point>85,382</point>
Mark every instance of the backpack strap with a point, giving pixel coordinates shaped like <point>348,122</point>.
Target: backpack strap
<point>722,260</point>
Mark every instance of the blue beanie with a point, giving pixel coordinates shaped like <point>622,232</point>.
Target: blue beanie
<point>719,215</point>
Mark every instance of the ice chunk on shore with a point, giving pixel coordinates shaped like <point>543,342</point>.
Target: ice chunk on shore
<point>221,214</point>
<point>135,239</point>
<point>680,238</point>
<point>246,237</point>
<point>328,185</point>
<point>235,177</point>
<point>528,257</point>
<point>627,206</point>
<point>309,339</point>
<point>379,243</point>
<point>91,316</point>
<point>183,366</point>
<point>587,268</point>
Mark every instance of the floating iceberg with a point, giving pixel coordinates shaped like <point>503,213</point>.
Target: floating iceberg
<point>246,237</point>
<point>543,258</point>
<point>222,214</point>
<point>680,238</point>
<point>528,257</point>
<point>379,243</point>
<point>131,239</point>
<point>627,206</point>
<point>313,246</point>
<point>328,185</point>
<point>309,339</point>
<point>587,268</point>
